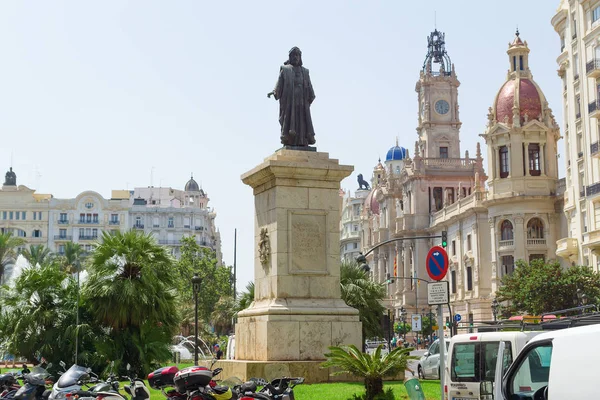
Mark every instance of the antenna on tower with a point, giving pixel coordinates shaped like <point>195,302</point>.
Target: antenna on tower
<point>435,19</point>
<point>152,177</point>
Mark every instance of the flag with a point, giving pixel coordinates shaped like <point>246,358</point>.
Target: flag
<point>396,265</point>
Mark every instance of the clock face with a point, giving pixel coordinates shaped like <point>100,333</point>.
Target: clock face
<point>442,107</point>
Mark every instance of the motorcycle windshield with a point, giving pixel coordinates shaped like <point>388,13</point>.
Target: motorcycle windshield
<point>37,376</point>
<point>72,376</point>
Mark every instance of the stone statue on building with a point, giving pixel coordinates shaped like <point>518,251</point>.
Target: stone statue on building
<point>295,94</point>
<point>362,184</point>
<point>10,178</point>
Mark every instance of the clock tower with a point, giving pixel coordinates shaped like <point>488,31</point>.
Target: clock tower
<point>437,89</point>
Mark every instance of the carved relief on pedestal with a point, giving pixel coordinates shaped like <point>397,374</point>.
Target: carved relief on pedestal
<point>264,248</point>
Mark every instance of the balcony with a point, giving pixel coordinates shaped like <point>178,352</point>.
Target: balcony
<point>63,221</point>
<point>186,226</point>
<point>88,222</point>
<point>567,248</point>
<point>138,226</point>
<point>592,68</point>
<point>156,226</point>
<point>199,228</point>
<point>87,237</point>
<point>170,242</point>
<point>594,109</point>
<point>591,240</point>
<point>536,242</point>
<point>592,190</point>
<point>114,222</point>
<point>63,237</point>
<point>506,244</point>
<point>170,226</point>
<point>594,150</point>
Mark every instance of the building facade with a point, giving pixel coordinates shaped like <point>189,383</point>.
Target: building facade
<point>491,222</point>
<point>350,224</point>
<point>169,214</point>
<point>578,25</point>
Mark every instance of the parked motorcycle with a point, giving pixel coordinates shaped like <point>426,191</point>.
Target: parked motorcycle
<point>136,389</point>
<point>8,385</point>
<point>72,380</point>
<point>34,387</point>
<point>280,389</point>
<point>199,384</point>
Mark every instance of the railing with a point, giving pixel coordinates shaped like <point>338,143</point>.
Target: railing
<point>536,242</point>
<point>171,226</point>
<point>592,65</point>
<point>186,226</point>
<point>138,226</point>
<point>593,148</point>
<point>63,237</point>
<point>593,189</point>
<point>88,237</point>
<point>199,228</point>
<point>593,106</point>
<point>63,221</point>
<point>82,221</point>
<point>450,162</point>
<point>155,226</point>
<point>114,222</point>
<point>506,243</point>
<point>178,242</point>
<point>438,73</point>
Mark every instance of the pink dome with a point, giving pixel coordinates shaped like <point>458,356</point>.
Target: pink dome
<point>372,202</point>
<point>530,101</point>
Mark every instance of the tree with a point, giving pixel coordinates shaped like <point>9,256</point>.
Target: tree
<point>223,314</point>
<point>371,367</point>
<point>38,312</point>
<point>37,254</point>
<point>541,286</point>
<point>246,297</point>
<point>359,292</point>
<point>8,250</point>
<point>73,257</point>
<point>402,328</point>
<point>131,294</point>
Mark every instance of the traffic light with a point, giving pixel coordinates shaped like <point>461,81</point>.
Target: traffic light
<point>390,279</point>
<point>444,239</point>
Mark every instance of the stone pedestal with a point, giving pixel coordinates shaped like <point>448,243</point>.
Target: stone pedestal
<point>297,311</point>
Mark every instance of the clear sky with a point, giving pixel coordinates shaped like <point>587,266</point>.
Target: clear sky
<point>109,94</point>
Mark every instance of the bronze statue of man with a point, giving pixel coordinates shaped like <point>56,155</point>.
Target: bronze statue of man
<point>295,94</point>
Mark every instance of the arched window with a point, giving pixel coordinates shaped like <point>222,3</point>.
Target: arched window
<point>506,230</point>
<point>535,229</point>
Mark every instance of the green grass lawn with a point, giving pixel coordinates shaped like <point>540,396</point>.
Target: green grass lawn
<point>344,391</point>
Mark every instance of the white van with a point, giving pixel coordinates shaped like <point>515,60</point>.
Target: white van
<point>556,365</point>
<point>472,360</point>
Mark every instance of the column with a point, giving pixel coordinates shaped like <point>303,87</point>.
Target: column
<point>508,147</point>
<point>406,265</point>
<point>526,150</point>
<point>542,159</point>
<point>520,237</point>
<point>496,158</point>
<point>494,255</point>
<point>399,282</point>
<point>376,266</point>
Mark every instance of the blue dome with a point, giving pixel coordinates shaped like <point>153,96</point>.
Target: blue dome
<point>396,153</point>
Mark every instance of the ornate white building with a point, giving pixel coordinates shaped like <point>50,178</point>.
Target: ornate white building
<point>350,224</point>
<point>167,213</point>
<point>517,216</point>
<point>578,25</point>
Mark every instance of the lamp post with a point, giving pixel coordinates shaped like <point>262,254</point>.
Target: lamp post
<point>403,318</point>
<point>196,282</point>
<point>495,309</point>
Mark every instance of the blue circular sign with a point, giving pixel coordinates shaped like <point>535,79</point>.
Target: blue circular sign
<point>437,263</point>
<point>457,317</point>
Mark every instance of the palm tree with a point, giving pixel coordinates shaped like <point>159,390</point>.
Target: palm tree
<point>37,254</point>
<point>130,291</point>
<point>371,367</point>
<point>73,257</point>
<point>246,298</point>
<point>223,314</point>
<point>8,250</point>
<point>359,292</point>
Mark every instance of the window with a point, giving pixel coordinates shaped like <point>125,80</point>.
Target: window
<point>88,218</point>
<point>533,372</point>
<point>355,245</point>
<point>39,215</point>
<point>469,278</point>
<point>18,215</point>
<point>453,281</point>
<point>81,233</point>
<point>508,265</point>
<point>454,247</point>
<point>437,198</point>
<point>514,63</point>
<point>61,249</point>
<point>95,233</point>
<point>506,230</point>
<point>114,218</point>
<point>10,214</point>
<point>469,248</point>
<point>4,214</point>
<point>595,14</point>
<point>535,229</point>
<point>533,257</point>
<point>23,215</point>
<point>95,218</point>
<point>534,159</point>
<point>443,152</point>
<point>138,221</point>
<point>449,195</point>
<point>63,217</point>
<point>62,233</point>
<point>37,233</point>
<point>475,362</point>
<point>521,63</point>
<point>503,161</point>
<point>81,218</point>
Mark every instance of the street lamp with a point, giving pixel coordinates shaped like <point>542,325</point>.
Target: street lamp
<point>403,318</point>
<point>196,282</point>
<point>495,309</point>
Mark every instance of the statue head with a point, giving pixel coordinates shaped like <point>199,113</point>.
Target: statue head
<point>295,57</point>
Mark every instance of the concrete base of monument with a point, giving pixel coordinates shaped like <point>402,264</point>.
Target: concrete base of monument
<point>311,371</point>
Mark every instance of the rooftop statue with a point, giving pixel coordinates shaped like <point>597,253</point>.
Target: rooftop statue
<point>10,178</point>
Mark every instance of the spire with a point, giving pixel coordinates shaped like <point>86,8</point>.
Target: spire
<point>518,56</point>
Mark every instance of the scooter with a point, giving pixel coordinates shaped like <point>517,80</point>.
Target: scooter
<point>136,389</point>
<point>278,389</point>
<point>34,387</point>
<point>72,380</point>
<point>8,385</point>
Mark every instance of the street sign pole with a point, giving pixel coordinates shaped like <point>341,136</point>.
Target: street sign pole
<point>442,347</point>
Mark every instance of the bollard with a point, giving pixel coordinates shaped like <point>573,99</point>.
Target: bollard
<point>413,389</point>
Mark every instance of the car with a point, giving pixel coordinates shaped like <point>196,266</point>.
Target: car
<point>429,363</point>
<point>371,346</point>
